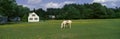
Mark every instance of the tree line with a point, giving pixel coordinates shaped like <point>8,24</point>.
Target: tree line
<point>81,11</point>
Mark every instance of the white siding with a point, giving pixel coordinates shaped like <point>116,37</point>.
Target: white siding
<point>33,17</point>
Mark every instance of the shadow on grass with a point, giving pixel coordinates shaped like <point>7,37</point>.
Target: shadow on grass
<point>10,23</point>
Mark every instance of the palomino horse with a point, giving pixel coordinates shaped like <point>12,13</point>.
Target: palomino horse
<point>66,23</point>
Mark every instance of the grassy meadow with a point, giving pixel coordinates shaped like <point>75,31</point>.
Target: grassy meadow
<point>50,29</point>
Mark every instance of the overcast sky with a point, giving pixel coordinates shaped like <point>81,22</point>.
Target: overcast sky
<point>60,3</point>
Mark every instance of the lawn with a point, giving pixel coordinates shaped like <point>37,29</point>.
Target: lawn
<point>50,29</point>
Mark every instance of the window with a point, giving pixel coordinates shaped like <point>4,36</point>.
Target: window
<point>36,18</point>
<point>31,18</point>
<point>33,15</point>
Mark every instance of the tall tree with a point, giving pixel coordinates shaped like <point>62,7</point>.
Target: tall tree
<point>71,12</point>
<point>10,9</point>
<point>41,13</point>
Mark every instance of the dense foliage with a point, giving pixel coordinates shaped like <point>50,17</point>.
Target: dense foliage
<point>81,11</point>
<point>10,9</point>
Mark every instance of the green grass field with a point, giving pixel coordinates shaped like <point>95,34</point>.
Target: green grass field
<point>81,29</point>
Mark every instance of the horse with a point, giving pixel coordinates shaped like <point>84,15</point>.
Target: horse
<point>66,23</point>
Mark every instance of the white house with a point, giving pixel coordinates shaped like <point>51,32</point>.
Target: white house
<point>52,16</point>
<point>33,17</point>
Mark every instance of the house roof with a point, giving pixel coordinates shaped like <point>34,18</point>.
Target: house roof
<point>30,14</point>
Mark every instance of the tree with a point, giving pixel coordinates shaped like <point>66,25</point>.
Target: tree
<point>22,12</point>
<point>10,9</point>
<point>41,13</point>
<point>71,12</point>
<point>99,11</point>
<point>111,13</point>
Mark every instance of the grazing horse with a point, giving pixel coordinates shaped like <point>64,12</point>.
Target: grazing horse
<point>66,23</point>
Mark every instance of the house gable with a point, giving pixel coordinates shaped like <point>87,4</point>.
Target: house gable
<point>33,17</point>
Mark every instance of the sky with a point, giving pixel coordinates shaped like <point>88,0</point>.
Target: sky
<point>44,4</point>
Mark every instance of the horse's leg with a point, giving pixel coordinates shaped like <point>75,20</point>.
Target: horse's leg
<point>62,25</point>
<point>67,25</point>
<point>70,25</point>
